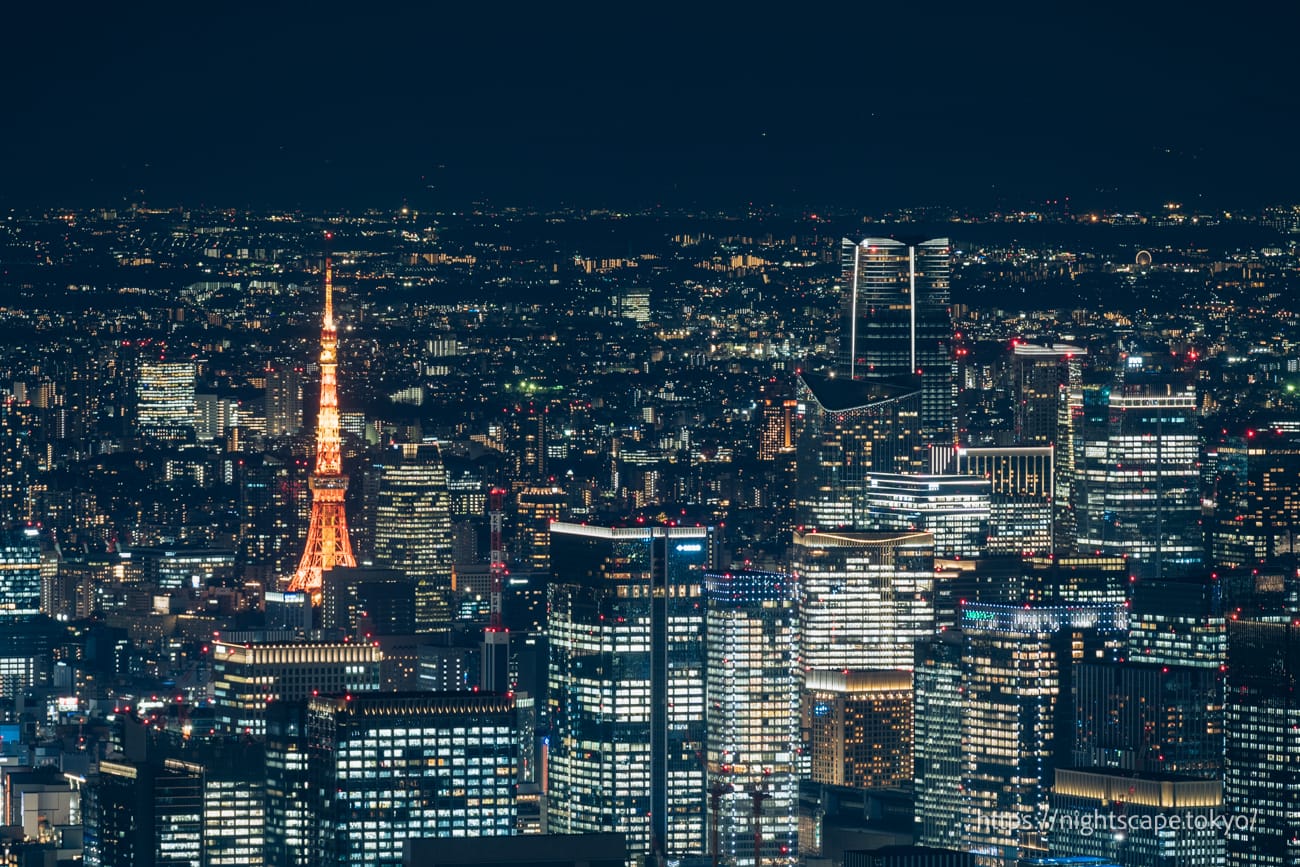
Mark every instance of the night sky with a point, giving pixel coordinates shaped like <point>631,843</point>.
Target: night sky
<point>629,105</point>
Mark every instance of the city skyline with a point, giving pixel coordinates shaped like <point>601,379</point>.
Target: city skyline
<point>650,437</point>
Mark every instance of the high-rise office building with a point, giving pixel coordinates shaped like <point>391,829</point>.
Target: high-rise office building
<point>165,402</point>
<point>142,814</point>
<point>1152,718</point>
<point>17,463</point>
<point>867,598</point>
<point>387,767</point>
<point>860,727</point>
<point>1128,816</point>
<point>1039,373</point>
<point>283,400</point>
<point>1179,622</point>
<point>1256,514</point>
<point>1018,674</point>
<point>898,323</point>
<point>755,673</point>
<point>1020,494</point>
<point>290,830</point>
<point>1136,481</point>
<point>248,677</point>
<point>367,601</point>
<point>413,528</point>
<point>847,430</point>
<point>953,509</point>
<point>1262,749</point>
<point>626,691</point>
<point>20,573</point>
<point>537,508</point>
<point>939,761</point>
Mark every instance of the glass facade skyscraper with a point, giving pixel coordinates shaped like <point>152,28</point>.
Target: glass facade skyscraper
<point>626,683</point>
<point>897,323</point>
<point>754,676</point>
<point>1262,751</point>
<point>1136,483</point>
<point>413,528</point>
<point>165,401</point>
<point>867,598</point>
<point>1017,677</point>
<point>384,767</point>
<point>847,430</point>
<point>20,573</point>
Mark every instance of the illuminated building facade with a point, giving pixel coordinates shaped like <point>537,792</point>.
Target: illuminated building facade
<point>848,429</point>
<point>626,683</point>
<point>283,400</point>
<point>939,762</point>
<point>20,573</point>
<point>1020,495</point>
<point>1018,669</point>
<point>755,674</point>
<point>385,767</point>
<point>246,678</point>
<point>1149,718</point>
<point>1039,373</point>
<point>860,726</point>
<point>537,509</point>
<point>1262,744</point>
<point>328,544</point>
<point>1136,479</point>
<point>140,814</point>
<point>17,463</point>
<point>1256,497</point>
<point>1179,622</point>
<point>897,321</point>
<point>953,509</point>
<point>165,402</point>
<point>867,598</point>
<point>413,528</point>
<point>1128,817</point>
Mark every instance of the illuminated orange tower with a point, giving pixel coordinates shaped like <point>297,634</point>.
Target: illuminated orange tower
<point>327,538</point>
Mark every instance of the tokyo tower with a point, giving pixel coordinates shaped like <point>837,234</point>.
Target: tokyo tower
<point>327,538</point>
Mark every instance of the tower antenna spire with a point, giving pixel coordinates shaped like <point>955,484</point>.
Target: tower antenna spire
<point>328,544</point>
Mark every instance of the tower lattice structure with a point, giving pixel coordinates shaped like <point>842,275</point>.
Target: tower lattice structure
<point>327,537</point>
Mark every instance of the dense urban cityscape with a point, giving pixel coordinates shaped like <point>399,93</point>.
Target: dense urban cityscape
<point>670,536</point>
<point>649,435</point>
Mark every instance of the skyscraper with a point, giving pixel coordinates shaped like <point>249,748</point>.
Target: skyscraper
<point>328,544</point>
<point>385,767</point>
<point>860,727</point>
<point>1136,481</point>
<point>938,759</point>
<point>754,679</point>
<point>626,692</point>
<point>165,401</point>
<point>20,573</point>
<point>283,400</point>
<point>1262,752</point>
<point>247,678</point>
<point>848,429</point>
<point>1256,497</point>
<point>1039,373</point>
<point>1018,669</point>
<point>142,814</point>
<point>867,598</point>
<point>1020,495</point>
<point>953,509</point>
<point>413,528</point>
<point>897,321</point>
